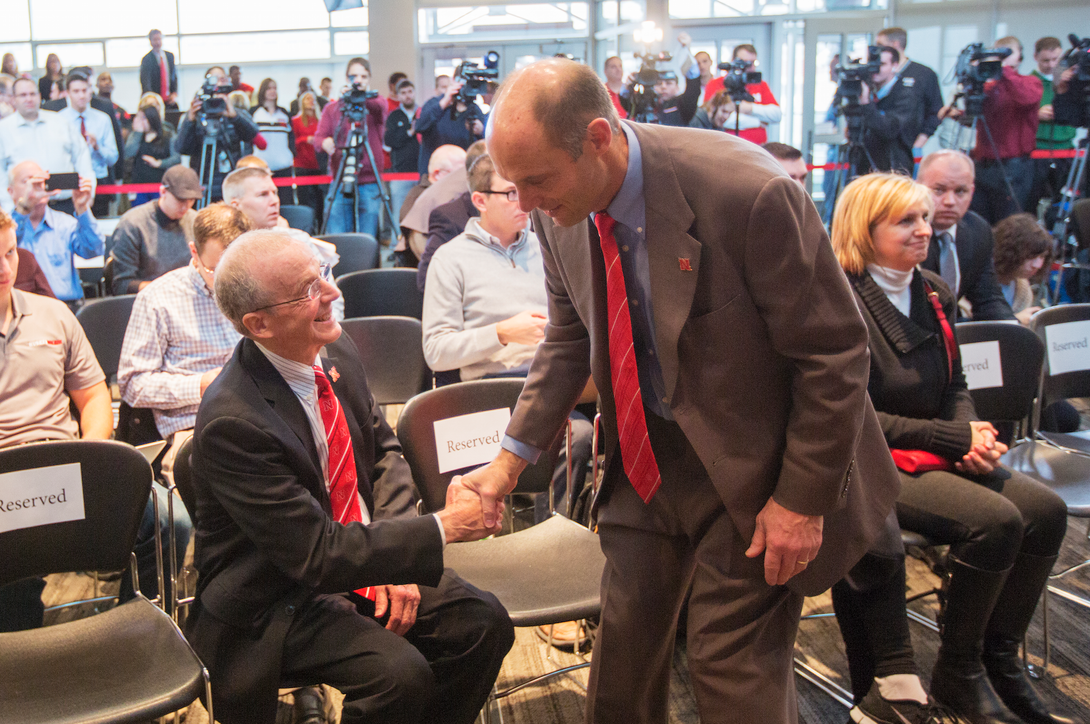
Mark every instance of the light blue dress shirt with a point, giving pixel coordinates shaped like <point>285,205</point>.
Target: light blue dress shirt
<point>53,243</point>
<point>100,126</point>
<point>49,141</point>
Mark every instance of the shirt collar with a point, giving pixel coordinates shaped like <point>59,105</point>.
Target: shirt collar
<point>627,206</point>
<point>24,122</point>
<point>473,226</point>
<point>198,281</point>
<point>300,377</point>
<point>162,219</point>
<point>18,311</point>
<point>49,219</point>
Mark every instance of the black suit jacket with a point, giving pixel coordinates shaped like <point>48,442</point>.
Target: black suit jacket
<point>150,78</point>
<point>891,126</point>
<point>975,250</point>
<point>265,539</point>
<point>446,222</point>
<point>99,104</point>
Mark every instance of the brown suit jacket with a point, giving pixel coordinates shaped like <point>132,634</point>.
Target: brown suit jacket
<point>763,350</point>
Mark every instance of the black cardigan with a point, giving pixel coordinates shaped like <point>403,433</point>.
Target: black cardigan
<point>920,406</point>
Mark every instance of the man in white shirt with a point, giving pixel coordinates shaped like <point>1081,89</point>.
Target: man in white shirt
<point>33,134</point>
<point>97,130</point>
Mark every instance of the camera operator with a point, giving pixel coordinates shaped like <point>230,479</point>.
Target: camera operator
<point>891,115</point>
<point>1049,174</point>
<point>919,78</point>
<point>212,116</point>
<point>755,114</point>
<point>673,107</point>
<point>333,135</point>
<point>439,126</point>
<point>1010,115</point>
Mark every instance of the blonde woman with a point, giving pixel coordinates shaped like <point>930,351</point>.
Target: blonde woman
<point>1004,529</point>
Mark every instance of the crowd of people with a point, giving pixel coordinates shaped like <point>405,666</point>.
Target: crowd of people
<point>779,399</point>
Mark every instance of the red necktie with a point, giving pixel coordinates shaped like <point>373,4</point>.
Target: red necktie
<point>164,78</point>
<point>343,491</point>
<point>636,453</point>
<point>82,128</point>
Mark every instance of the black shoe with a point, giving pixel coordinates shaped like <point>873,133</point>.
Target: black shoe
<point>1008,676</point>
<point>876,710</point>
<point>309,706</point>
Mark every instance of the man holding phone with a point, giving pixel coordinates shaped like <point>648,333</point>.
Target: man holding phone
<point>33,134</point>
<point>54,236</point>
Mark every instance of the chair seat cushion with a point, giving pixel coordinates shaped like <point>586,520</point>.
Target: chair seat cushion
<point>127,664</point>
<point>549,573</point>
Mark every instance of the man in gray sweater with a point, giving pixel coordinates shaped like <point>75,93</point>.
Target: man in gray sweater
<point>153,238</point>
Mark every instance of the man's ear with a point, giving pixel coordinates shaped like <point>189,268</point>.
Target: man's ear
<point>256,324</point>
<point>477,199</point>
<point>600,134</point>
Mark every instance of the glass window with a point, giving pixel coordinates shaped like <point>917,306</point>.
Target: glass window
<point>70,19</point>
<point>24,56</point>
<point>254,47</point>
<point>502,21</point>
<point>128,52</point>
<point>354,18</point>
<point>690,8</point>
<point>217,16</point>
<point>733,8</point>
<point>357,42</point>
<point>72,54</point>
<point>16,25</point>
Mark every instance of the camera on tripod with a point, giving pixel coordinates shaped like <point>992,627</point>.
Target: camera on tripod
<point>851,76</point>
<point>976,66</point>
<point>354,102</point>
<point>737,78</point>
<point>211,95</point>
<point>642,87</point>
<point>475,79</point>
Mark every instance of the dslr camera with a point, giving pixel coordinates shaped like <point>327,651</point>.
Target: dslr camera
<point>851,76</point>
<point>737,78</point>
<point>211,105</point>
<point>976,66</point>
<point>475,78</point>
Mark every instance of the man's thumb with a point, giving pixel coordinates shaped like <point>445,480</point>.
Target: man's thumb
<point>757,545</point>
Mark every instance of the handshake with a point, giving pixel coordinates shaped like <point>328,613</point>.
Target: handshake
<point>474,507</point>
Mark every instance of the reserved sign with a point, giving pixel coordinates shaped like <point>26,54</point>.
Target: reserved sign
<point>1068,349</point>
<point>41,496</point>
<point>982,365</point>
<point>468,440</point>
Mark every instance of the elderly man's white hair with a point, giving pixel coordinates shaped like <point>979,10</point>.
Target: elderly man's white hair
<point>238,291</point>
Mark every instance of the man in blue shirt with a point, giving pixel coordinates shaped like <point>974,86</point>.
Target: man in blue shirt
<point>54,236</point>
<point>96,128</point>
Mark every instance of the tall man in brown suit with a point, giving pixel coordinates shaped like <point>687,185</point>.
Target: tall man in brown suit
<point>748,386</point>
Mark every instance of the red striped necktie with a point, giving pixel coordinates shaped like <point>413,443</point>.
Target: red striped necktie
<point>164,77</point>
<point>636,453</point>
<point>343,483</point>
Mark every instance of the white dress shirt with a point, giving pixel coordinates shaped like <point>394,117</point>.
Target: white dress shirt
<point>49,141</point>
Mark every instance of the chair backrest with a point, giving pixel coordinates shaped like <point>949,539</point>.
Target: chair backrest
<point>1066,350</point>
<point>183,478</point>
<point>382,292</point>
<point>104,322</point>
<point>1020,356</point>
<point>393,355</point>
<point>416,431</point>
<point>1080,223</point>
<point>115,483</point>
<point>299,217</point>
<point>108,276</point>
<point>357,252</point>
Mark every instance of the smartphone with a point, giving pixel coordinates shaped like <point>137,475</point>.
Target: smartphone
<point>62,181</point>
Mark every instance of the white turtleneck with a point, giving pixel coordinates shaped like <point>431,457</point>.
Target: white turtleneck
<point>895,284</point>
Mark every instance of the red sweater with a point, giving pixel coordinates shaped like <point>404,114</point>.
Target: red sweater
<point>1010,109</point>
<point>330,123</point>
<point>305,156</point>
<point>762,95</point>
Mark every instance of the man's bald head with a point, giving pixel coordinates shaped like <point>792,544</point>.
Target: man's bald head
<point>444,160</point>
<point>24,170</point>
<point>561,96</point>
<point>946,156</point>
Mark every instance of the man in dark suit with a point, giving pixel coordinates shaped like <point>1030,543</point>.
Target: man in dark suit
<point>314,566</point>
<point>157,65</point>
<point>446,222</point>
<point>917,77</point>
<point>729,339</point>
<point>891,116</point>
<point>962,249</point>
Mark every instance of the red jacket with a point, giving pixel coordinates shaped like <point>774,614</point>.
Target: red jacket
<point>305,155</point>
<point>1010,110</point>
<point>330,123</point>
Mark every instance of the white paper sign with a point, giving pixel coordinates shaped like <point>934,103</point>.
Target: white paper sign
<point>1068,349</point>
<point>468,440</point>
<point>41,496</point>
<point>982,366</point>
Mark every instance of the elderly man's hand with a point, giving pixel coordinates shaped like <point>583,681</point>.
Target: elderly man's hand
<point>462,516</point>
<point>491,482</point>
<point>402,602</point>
<point>788,539</point>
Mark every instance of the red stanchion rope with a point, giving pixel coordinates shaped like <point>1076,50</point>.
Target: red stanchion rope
<point>286,181</point>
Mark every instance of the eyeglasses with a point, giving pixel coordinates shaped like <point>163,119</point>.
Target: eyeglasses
<point>313,291</point>
<point>512,195</point>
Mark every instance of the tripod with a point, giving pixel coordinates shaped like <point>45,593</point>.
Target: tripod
<point>211,148</point>
<point>849,154</point>
<point>974,109</point>
<point>344,181</point>
<point>1068,197</point>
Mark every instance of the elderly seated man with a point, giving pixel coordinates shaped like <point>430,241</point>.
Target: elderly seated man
<point>314,566</point>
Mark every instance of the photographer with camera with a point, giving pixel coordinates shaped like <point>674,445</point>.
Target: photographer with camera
<point>757,111</point>
<point>892,115</point>
<point>919,78</point>
<point>355,108</point>
<point>454,118</point>
<point>213,131</point>
<point>651,95</point>
<point>1004,169</point>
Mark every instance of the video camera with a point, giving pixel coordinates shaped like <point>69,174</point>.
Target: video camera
<point>475,79</point>
<point>976,66</point>
<point>1072,108</point>
<point>211,105</point>
<point>643,86</point>
<point>851,76</point>
<point>737,78</point>
<point>354,102</point>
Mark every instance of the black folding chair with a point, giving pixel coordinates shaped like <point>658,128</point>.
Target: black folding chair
<point>547,574</point>
<point>391,351</point>
<point>382,292</point>
<point>131,663</point>
<point>299,217</point>
<point>104,322</point>
<point>357,252</point>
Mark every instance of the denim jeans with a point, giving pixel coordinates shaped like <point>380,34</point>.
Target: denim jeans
<point>340,215</point>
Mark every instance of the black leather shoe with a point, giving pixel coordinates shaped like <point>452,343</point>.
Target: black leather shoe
<point>1009,679</point>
